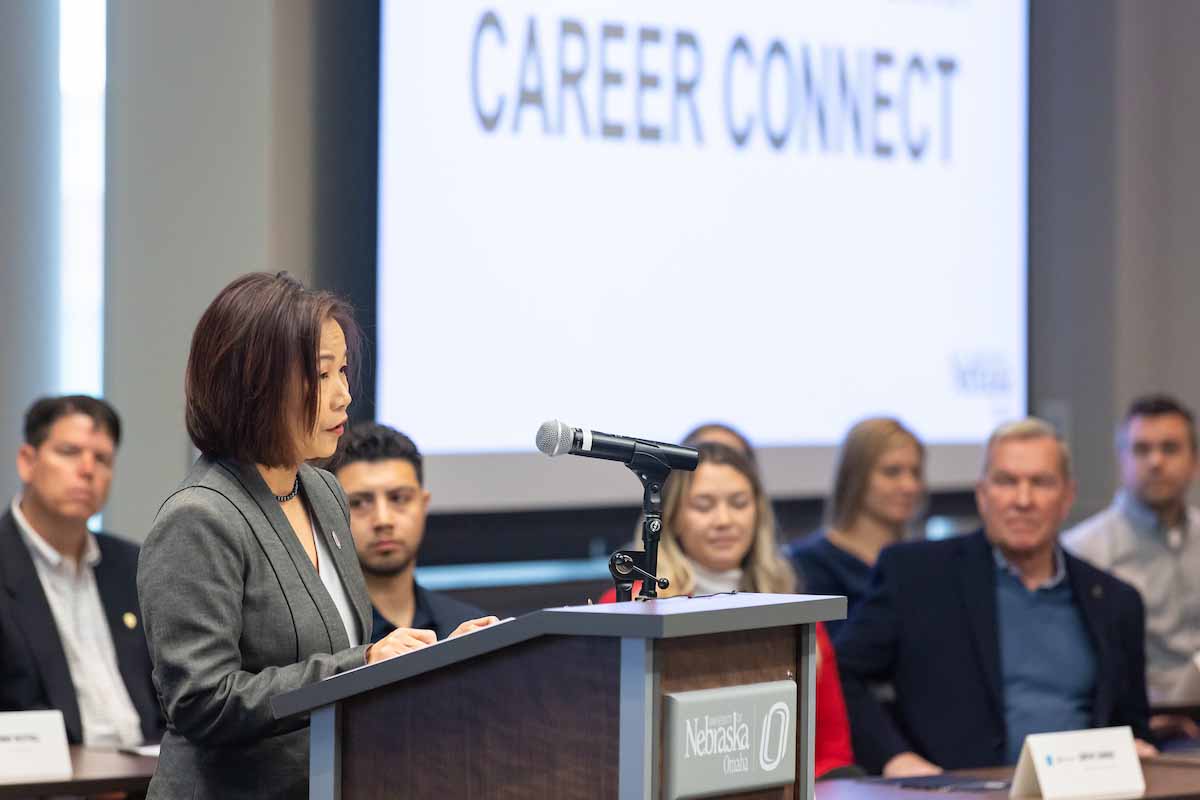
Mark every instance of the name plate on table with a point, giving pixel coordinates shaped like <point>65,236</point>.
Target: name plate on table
<point>33,746</point>
<point>1100,763</point>
<point>732,739</point>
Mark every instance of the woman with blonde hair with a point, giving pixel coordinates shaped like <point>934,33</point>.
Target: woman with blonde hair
<point>719,529</point>
<point>719,536</point>
<point>878,490</point>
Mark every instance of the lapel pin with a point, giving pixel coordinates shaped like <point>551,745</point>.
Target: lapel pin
<point>130,620</point>
<point>336,540</point>
<point>1097,591</point>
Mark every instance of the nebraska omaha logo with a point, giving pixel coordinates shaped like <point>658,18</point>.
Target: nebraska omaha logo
<point>727,735</point>
<point>776,723</point>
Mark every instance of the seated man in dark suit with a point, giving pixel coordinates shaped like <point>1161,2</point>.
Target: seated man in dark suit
<point>381,471</point>
<point>994,635</point>
<point>71,634</point>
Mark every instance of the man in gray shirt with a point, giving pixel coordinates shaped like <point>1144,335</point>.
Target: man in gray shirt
<point>1150,537</point>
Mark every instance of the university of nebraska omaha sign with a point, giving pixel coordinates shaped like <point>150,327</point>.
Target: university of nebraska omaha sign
<point>732,739</point>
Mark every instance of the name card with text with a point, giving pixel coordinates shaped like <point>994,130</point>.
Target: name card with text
<point>1100,763</point>
<point>33,746</point>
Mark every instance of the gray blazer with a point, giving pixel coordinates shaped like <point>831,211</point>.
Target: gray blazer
<point>234,614</point>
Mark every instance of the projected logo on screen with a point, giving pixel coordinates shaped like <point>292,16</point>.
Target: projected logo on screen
<point>982,373</point>
<point>646,83</point>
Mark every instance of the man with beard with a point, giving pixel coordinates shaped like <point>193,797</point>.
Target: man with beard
<point>381,471</point>
<point>1150,537</point>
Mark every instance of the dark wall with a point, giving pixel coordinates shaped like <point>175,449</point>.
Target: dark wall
<point>346,144</point>
<point>1073,227</point>
<point>589,532</point>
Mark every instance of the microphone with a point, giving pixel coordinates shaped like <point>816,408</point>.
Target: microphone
<point>555,438</point>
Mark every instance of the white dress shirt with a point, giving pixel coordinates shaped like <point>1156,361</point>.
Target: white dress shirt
<point>106,712</point>
<point>333,584</point>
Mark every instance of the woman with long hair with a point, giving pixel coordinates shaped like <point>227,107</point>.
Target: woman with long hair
<point>719,529</point>
<point>718,535</point>
<point>878,490</point>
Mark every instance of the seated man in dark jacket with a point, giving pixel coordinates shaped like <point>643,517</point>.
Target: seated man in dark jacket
<point>382,473</point>
<point>71,633</point>
<point>995,635</point>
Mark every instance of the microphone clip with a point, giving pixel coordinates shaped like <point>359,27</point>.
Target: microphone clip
<point>624,565</point>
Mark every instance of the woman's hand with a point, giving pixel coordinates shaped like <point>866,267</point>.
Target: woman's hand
<point>399,642</point>
<point>473,625</point>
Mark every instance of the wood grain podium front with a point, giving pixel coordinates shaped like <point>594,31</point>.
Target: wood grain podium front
<point>563,703</point>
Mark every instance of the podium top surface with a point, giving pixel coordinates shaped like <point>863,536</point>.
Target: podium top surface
<point>653,619</point>
<point>694,616</point>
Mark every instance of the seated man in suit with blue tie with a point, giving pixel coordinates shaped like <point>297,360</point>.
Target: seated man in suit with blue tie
<point>70,629</point>
<point>994,635</point>
<point>382,473</point>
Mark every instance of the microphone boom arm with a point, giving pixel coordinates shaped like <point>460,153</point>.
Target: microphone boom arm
<point>652,470</point>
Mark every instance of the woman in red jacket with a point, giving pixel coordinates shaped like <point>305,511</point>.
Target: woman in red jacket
<point>719,536</point>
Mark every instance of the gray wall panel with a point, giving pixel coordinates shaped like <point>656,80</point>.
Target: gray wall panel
<point>208,178</point>
<point>28,217</point>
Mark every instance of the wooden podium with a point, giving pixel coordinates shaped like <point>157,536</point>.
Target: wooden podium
<point>563,702</point>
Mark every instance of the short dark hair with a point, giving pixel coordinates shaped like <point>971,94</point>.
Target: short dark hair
<point>45,411</point>
<point>370,441</point>
<point>1157,405</point>
<point>253,355</point>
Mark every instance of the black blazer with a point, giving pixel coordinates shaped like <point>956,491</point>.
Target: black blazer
<point>928,625</point>
<point>33,666</point>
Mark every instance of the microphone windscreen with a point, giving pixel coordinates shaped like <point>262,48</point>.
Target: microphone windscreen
<point>554,437</point>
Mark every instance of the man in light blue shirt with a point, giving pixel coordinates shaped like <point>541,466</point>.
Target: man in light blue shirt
<point>1150,537</point>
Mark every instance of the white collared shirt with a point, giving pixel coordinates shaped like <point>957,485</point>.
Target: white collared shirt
<point>106,712</point>
<point>327,570</point>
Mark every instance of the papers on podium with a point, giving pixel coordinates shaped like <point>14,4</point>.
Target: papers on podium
<point>435,644</point>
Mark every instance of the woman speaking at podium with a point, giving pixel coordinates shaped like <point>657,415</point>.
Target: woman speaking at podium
<point>248,582</point>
